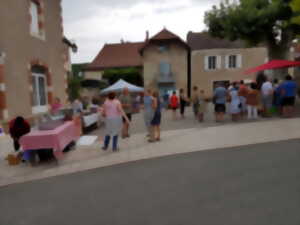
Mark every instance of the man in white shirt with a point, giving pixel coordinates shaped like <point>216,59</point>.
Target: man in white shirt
<point>267,97</point>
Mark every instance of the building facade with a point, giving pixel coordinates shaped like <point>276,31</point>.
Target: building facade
<point>33,57</point>
<point>165,62</point>
<point>216,61</point>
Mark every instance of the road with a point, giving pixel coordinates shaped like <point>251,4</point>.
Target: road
<point>257,184</point>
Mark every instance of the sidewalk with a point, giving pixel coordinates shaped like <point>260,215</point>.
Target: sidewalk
<point>174,142</point>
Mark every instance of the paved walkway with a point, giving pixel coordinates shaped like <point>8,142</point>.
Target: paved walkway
<point>174,142</point>
<point>249,185</point>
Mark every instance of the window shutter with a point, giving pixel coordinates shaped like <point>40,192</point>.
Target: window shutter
<point>239,61</point>
<point>206,63</point>
<point>219,62</point>
<point>227,61</point>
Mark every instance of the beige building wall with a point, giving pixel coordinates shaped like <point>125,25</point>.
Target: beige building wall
<point>204,79</point>
<point>22,49</point>
<point>176,55</point>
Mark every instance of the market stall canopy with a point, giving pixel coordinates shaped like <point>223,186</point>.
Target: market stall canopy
<point>120,85</point>
<point>273,64</point>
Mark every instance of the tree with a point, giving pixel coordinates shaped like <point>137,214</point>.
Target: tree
<point>131,75</point>
<point>74,87</point>
<point>273,23</point>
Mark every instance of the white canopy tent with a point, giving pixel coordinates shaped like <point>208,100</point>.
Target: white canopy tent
<point>120,85</point>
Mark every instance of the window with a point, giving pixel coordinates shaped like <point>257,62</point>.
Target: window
<point>164,68</point>
<point>34,26</point>
<point>163,48</point>
<point>212,62</point>
<point>37,17</point>
<point>39,90</point>
<point>233,61</point>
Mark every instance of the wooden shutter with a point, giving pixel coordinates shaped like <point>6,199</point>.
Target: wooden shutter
<point>239,61</point>
<point>205,62</point>
<point>219,62</point>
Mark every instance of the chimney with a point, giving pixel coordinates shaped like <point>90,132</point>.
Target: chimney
<point>147,35</point>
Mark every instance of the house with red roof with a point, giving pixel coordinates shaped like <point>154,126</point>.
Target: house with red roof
<point>162,60</point>
<point>169,63</point>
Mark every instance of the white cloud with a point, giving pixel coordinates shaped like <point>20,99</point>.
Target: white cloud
<point>93,25</point>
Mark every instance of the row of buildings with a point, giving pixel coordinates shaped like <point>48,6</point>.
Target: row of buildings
<point>167,62</point>
<point>34,57</point>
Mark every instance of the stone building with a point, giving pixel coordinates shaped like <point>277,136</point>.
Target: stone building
<point>216,60</point>
<point>33,57</point>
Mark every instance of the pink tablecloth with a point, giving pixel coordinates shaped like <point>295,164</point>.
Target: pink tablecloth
<point>56,139</point>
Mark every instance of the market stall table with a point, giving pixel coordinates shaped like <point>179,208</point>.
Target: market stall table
<point>56,139</point>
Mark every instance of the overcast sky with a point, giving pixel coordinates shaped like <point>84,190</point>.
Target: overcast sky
<point>92,23</point>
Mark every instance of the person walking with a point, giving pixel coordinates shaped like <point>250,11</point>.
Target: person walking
<point>113,112</point>
<point>148,111</point>
<point>267,97</point>
<point>235,103</point>
<point>202,105</point>
<point>166,100</point>
<point>252,101</point>
<point>155,123</point>
<point>219,99</point>
<point>288,94</point>
<point>195,102</point>
<point>174,105</point>
<point>127,104</point>
<point>243,91</point>
<point>183,102</point>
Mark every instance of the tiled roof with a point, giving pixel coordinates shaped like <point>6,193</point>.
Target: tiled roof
<point>117,56</point>
<point>199,41</point>
<point>164,35</point>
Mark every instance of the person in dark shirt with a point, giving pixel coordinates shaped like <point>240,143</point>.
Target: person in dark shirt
<point>17,128</point>
<point>288,91</point>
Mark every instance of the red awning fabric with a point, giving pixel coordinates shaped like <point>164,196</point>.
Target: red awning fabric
<point>273,64</point>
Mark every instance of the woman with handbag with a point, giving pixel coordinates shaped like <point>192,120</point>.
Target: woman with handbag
<point>113,112</point>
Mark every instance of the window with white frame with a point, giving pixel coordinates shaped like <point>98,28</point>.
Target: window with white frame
<point>212,62</point>
<point>233,61</point>
<point>39,86</point>
<point>34,13</point>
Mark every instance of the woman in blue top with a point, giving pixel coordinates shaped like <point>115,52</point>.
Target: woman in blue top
<point>155,123</point>
<point>148,110</point>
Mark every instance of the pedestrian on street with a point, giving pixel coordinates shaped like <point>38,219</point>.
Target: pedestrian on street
<point>267,97</point>
<point>252,101</point>
<point>195,102</point>
<point>288,93</point>
<point>127,104</point>
<point>235,103</point>
<point>174,105</point>
<point>183,102</point>
<point>243,91</point>
<point>155,123</point>
<point>219,99</point>
<point>148,110</point>
<point>113,112</point>
<point>202,105</point>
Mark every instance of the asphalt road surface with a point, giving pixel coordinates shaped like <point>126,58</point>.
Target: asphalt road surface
<point>250,185</point>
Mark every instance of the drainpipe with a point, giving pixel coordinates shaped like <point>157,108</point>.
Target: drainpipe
<point>189,76</point>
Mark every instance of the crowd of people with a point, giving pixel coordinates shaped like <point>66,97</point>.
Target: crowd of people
<point>240,100</point>
<point>265,99</point>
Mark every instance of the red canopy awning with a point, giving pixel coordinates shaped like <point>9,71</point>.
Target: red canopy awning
<point>273,64</point>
